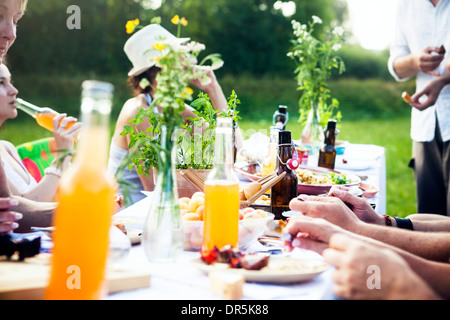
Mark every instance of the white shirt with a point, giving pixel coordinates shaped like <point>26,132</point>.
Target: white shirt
<point>419,25</point>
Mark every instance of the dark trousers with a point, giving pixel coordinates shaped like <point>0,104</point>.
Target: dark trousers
<point>431,164</point>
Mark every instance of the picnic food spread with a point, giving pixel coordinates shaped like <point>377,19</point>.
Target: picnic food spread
<point>308,177</point>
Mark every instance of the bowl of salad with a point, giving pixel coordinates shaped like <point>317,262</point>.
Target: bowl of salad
<point>317,180</point>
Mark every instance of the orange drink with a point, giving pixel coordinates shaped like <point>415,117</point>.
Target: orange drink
<point>44,116</point>
<point>45,120</point>
<point>221,215</point>
<point>221,222</point>
<point>83,216</point>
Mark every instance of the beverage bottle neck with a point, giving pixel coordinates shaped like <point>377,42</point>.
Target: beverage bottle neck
<point>223,152</point>
<point>274,132</point>
<point>284,150</point>
<point>280,117</point>
<point>330,134</point>
<point>96,109</point>
<point>31,109</point>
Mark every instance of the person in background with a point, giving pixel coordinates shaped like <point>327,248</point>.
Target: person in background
<point>144,67</point>
<point>419,49</point>
<point>19,214</point>
<point>21,182</point>
<point>26,213</point>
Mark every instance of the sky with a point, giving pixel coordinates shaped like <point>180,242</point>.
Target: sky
<point>372,22</point>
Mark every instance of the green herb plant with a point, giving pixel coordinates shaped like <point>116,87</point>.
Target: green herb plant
<point>315,60</point>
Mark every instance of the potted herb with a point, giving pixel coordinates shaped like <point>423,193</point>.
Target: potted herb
<point>315,60</point>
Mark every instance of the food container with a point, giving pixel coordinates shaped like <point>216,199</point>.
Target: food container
<point>249,231</point>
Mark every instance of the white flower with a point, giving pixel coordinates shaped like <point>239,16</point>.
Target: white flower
<point>316,19</point>
<point>338,31</point>
<point>336,47</point>
<point>195,46</point>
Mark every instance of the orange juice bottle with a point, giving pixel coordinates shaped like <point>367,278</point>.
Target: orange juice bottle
<point>44,116</point>
<point>83,216</point>
<point>221,222</point>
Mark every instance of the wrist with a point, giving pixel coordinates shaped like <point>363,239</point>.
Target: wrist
<point>54,171</point>
<point>388,221</point>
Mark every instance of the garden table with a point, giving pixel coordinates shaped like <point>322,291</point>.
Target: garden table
<point>182,280</point>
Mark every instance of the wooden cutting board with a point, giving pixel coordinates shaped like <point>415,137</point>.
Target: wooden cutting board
<point>27,280</point>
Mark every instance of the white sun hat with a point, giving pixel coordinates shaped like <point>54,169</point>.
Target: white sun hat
<point>139,47</point>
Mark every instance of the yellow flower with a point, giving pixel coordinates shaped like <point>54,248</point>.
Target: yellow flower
<point>187,91</point>
<point>131,25</point>
<point>175,19</point>
<point>158,46</point>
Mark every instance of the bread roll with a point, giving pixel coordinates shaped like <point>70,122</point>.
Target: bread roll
<point>242,195</point>
<point>251,189</point>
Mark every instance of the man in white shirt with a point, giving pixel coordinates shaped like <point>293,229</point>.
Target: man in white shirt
<point>422,34</point>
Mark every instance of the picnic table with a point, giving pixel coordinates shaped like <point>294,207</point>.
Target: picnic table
<point>183,280</point>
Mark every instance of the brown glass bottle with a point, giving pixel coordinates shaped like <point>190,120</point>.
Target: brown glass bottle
<point>327,155</point>
<point>287,189</point>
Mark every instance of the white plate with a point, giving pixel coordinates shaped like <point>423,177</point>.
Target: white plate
<point>281,270</point>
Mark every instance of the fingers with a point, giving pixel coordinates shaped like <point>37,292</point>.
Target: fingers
<point>6,204</point>
<point>8,221</point>
<point>430,60</point>
<point>313,206</point>
<point>304,242</point>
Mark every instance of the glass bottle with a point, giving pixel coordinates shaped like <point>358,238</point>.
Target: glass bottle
<point>312,134</point>
<point>281,117</point>
<point>327,155</point>
<point>234,141</point>
<point>162,237</point>
<point>287,189</point>
<point>86,203</point>
<point>221,220</point>
<point>43,116</point>
<point>270,163</point>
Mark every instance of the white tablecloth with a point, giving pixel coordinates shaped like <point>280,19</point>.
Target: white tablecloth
<point>183,281</point>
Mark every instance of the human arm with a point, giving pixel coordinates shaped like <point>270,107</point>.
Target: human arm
<point>431,91</point>
<point>434,246</point>
<point>426,61</point>
<point>369,271</point>
<point>39,214</point>
<point>363,210</point>
<point>46,189</point>
<point>316,234</point>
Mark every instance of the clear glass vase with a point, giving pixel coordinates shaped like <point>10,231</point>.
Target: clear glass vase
<point>312,134</point>
<point>162,238</point>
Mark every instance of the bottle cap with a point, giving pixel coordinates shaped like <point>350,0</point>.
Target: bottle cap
<point>282,109</point>
<point>332,124</point>
<point>284,137</point>
<point>293,164</point>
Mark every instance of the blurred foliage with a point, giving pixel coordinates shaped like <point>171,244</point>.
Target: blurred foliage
<point>251,35</point>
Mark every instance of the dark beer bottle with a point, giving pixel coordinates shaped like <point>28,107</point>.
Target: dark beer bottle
<point>287,189</point>
<point>281,117</point>
<point>327,155</point>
